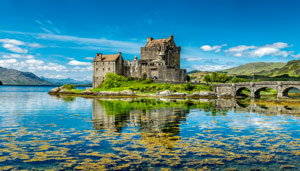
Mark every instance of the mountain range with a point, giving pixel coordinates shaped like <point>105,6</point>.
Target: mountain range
<point>15,77</point>
<point>273,69</point>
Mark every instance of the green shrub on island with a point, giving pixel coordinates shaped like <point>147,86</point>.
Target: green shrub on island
<point>113,80</point>
<point>69,86</point>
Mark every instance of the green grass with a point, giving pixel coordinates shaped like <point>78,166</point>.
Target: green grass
<point>141,87</point>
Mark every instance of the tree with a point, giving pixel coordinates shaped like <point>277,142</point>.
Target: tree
<point>236,80</point>
<point>214,77</point>
<point>188,78</point>
<point>223,78</point>
<point>207,78</point>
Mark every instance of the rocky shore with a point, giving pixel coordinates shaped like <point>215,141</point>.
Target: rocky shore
<point>129,93</point>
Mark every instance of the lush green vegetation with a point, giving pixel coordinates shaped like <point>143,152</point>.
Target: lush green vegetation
<point>114,82</point>
<point>216,77</point>
<point>237,80</point>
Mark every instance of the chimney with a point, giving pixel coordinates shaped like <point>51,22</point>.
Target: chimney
<point>149,39</point>
<point>171,37</point>
<point>99,54</point>
<point>120,53</point>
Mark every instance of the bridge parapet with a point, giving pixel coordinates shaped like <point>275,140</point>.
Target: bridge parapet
<point>235,89</point>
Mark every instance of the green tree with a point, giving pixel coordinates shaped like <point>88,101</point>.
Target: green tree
<point>188,78</point>
<point>223,78</point>
<point>236,80</point>
<point>207,78</point>
<point>214,77</point>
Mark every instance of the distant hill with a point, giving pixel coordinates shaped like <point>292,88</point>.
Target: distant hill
<point>12,76</point>
<point>66,81</point>
<point>292,68</point>
<point>193,71</point>
<point>261,68</point>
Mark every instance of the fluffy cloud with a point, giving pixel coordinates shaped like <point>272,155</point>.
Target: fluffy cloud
<point>211,67</point>
<point>296,56</point>
<point>13,45</point>
<point>274,49</point>
<point>32,65</point>
<point>89,58</point>
<point>216,48</point>
<point>193,59</point>
<point>14,48</point>
<point>79,63</point>
<point>12,55</point>
<point>7,62</point>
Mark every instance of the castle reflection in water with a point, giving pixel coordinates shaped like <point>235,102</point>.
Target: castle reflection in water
<point>113,115</point>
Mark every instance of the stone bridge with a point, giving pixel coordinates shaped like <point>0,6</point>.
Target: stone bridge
<point>235,89</point>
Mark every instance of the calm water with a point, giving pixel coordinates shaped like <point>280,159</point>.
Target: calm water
<point>41,132</point>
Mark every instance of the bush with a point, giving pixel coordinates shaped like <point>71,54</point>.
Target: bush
<point>113,80</point>
<point>130,79</point>
<point>188,87</point>
<point>69,86</point>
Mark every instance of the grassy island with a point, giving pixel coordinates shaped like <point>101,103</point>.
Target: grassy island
<point>117,83</point>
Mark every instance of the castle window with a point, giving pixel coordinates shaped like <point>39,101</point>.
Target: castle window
<point>103,69</point>
<point>108,69</point>
<point>96,69</point>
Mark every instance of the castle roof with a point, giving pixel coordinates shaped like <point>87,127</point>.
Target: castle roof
<point>107,58</point>
<point>157,41</point>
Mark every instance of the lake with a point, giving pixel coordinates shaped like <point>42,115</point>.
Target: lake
<point>44,132</point>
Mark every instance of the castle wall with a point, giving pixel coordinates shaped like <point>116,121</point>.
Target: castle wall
<point>100,69</point>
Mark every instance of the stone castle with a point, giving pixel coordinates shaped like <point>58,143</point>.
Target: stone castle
<point>160,60</point>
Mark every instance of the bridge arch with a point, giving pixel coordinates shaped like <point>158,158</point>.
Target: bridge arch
<point>285,92</point>
<point>239,91</point>
<point>264,88</point>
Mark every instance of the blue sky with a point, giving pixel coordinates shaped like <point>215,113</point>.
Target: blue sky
<point>59,38</point>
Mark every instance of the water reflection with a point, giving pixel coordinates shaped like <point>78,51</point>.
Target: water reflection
<point>150,134</point>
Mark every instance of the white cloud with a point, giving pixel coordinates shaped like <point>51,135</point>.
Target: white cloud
<point>34,45</point>
<point>13,55</point>
<point>14,48</point>
<point>296,56</point>
<point>216,48</point>
<point>211,67</point>
<point>89,58</point>
<point>13,45</point>
<point>12,41</point>
<point>193,59</point>
<point>274,49</point>
<point>7,63</point>
<point>34,62</point>
<point>82,69</point>
<point>75,62</point>
<point>240,48</point>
